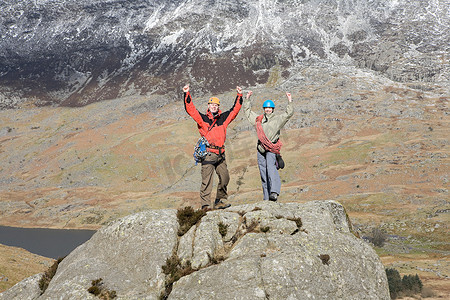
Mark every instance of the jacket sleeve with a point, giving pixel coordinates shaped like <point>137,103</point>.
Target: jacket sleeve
<point>191,110</point>
<point>287,114</point>
<point>251,115</point>
<point>233,112</point>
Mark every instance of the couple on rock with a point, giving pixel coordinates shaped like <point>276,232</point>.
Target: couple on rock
<point>213,127</point>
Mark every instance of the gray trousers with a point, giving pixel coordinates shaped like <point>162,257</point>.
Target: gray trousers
<point>270,178</point>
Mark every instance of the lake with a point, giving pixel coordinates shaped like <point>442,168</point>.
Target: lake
<point>53,243</point>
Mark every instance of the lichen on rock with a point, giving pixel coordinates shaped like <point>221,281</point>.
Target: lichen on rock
<point>308,251</point>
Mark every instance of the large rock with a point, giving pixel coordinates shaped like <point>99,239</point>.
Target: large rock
<point>259,251</point>
<point>26,289</point>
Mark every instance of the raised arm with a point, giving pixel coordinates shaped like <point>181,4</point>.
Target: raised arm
<point>289,107</point>
<point>289,110</point>
<point>232,113</point>
<point>190,107</point>
<point>251,116</point>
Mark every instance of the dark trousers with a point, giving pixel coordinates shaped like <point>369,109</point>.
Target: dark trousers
<point>214,162</point>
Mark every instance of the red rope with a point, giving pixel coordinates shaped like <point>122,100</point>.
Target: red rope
<point>265,142</point>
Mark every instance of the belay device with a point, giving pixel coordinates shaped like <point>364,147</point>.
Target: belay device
<point>200,150</point>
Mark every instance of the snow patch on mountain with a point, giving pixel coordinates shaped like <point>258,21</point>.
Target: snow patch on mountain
<point>85,51</point>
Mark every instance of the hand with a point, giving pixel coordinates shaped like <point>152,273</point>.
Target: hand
<point>186,88</point>
<point>239,90</point>
<point>249,93</point>
<point>288,95</point>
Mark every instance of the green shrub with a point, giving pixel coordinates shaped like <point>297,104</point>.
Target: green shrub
<point>215,259</point>
<point>187,218</point>
<point>394,281</point>
<point>297,221</point>
<point>412,283</point>
<point>252,227</point>
<point>378,237</point>
<point>48,275</point>
<point>174,270</point>
<point>427,292</point>
<point>265,229</point>
<point>98,289</point>
<point>325,258</point>
<point>223,229</point>
<point>95,290</point>
<point>408,285</point>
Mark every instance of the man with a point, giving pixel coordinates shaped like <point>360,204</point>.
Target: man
<point>213,126</point>
<point>268,126</point>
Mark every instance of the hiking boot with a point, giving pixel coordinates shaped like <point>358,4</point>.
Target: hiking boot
<point>206,208</point>
<point>219,204</point>
<point>273,196</point>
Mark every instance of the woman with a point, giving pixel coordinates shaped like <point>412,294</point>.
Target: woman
<point>268,126</point>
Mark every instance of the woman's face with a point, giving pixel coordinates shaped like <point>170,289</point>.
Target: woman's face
<point>268,110</point>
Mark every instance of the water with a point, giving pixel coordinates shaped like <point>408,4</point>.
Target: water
<point>53,243</point>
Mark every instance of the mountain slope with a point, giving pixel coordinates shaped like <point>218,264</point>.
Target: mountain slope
<point>76,52</point>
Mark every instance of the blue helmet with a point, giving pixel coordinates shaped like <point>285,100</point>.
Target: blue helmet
<point>269,103</point>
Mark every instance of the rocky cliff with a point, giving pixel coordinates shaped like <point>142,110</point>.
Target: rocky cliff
<point>259,251</point>
<point>75,52</point>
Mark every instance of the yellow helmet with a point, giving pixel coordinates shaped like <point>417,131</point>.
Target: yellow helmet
<point>214,100</point>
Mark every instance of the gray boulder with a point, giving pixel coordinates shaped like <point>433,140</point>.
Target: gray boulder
<point>26,289</point>
<point>127,255</point>
<point>260,251</point>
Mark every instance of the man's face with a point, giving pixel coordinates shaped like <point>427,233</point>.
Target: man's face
<point>213,107</point>
<point>268,110</point>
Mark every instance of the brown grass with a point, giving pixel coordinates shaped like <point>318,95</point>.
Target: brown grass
<point>381,168</point>
<point>17,264</point>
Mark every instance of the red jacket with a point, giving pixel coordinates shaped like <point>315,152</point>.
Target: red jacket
<point>216,134</point>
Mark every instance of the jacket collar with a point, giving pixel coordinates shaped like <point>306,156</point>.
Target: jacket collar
<point>210,115</point>
<point>268,117</point>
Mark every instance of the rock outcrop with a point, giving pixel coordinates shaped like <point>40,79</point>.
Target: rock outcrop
<point>260,251</point>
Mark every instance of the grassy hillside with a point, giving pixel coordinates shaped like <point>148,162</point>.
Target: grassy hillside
<point>378,147</point>
<point>17,264</point>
